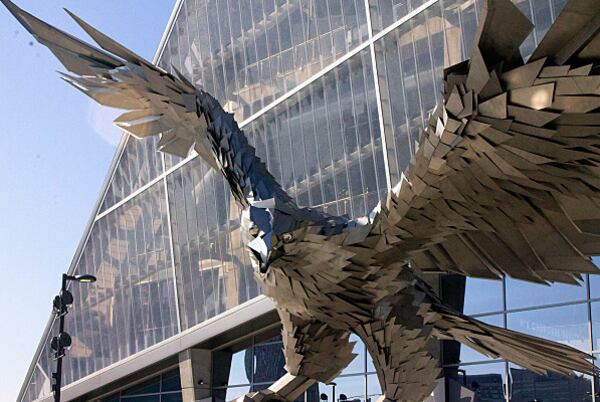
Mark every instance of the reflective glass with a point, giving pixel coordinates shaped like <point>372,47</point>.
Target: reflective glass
<point>40,382</point>
<point>148,387</point>
<point>240,370</point>
<point>171,381</point>
<point>177,397</point>
<point>595,307</point>
<point>139,163</point>
<point>269,364</point>
<point>526,294</point>
<point>526,386</point>
<point>373,388</point>
<point>567,324</point>
<point>249,52</point>
<point>479,382</point>
<point>143,398</point>
<point>213,270</point>
<point>350,389</point>
<point>595,281</point>
<point>483,296</point>
<point>131,306</point>
<point>234,392</point>
<point>323,144</point>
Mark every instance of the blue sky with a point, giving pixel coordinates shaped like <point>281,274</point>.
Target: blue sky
<point>56,148</point>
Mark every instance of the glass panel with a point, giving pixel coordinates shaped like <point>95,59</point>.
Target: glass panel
<point>132,304</point>
<point>350,389</point>
<point>386,12</point>
<point>596,325</point>
<point>171,397</point>
<point>373,388</point>
<point>213,270</point>
<point>323,143</point>
<point>568,324</point>
<point>148,387</point>
<point>479,382</point>
<point>247,53</point>
<point>595,281</point>
<point>483,296</point>
<point>171,381</point>
<point>527,386</point>
<point>240,371</point>
<point>145,398</point>
<point>269,364</point>
<point>234,393</point>
<point>138,165</point>
<point>410,60</point>
<point>40,382</point>
<point>525,294</point>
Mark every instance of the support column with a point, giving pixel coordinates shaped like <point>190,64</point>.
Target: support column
<point>195,369</point>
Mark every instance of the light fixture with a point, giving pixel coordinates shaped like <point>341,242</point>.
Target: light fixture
<point>63,341</point>
<point>85,278</point>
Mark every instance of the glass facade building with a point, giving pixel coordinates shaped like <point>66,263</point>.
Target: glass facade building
<point>333,94</point>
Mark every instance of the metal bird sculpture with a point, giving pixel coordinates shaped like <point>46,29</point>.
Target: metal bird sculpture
<point>505,181</point>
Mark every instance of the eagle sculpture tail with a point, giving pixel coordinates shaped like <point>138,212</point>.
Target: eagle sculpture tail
<point>535,354</point>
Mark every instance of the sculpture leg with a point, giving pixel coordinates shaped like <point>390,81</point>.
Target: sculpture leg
<point>313,352</point>
<point>404,354</point>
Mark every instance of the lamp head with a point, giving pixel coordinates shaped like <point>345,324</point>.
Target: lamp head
<point>84,278</point>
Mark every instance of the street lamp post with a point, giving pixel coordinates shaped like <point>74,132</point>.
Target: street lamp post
<point>62,341</point>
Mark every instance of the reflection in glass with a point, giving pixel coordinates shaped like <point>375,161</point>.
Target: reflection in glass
<point>235,392</point>
<point>249,52</point>
<point>595,281</point>
<point>213,270</point>
<point>480,382</point>
<point>239,373</point>
<point>526,294</point>
<point>373,388</point>
<point>132,304</point>
<point>148,387</point>
<point>567,324</point>
<point>526,386</point>
<point>483,296</point>
<point>350,389</point>
<point>595,306</point>
<point>162,388</point>
<point>268,362</point>
<point>139,163</point>
<point>323,144</point>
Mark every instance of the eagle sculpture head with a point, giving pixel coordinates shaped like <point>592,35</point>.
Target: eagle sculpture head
<point>267,226</point>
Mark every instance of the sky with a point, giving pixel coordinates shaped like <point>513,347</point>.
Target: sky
<point>56,148</point>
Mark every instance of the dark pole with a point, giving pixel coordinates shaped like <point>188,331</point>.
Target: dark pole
<point>60,352</point>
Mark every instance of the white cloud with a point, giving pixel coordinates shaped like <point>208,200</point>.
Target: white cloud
<point>100,118</point>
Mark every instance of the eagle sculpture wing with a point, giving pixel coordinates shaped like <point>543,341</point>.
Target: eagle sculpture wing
<point>157,102</point>
<point>506,179</point>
